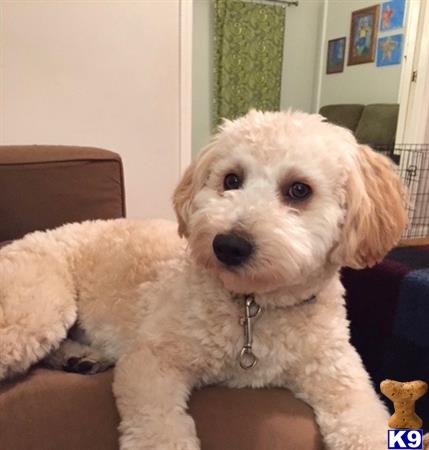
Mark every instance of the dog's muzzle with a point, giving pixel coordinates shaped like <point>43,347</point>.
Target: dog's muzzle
<point>231,249</point>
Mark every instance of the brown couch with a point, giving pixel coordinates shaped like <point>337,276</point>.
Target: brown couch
<point>43,187</point>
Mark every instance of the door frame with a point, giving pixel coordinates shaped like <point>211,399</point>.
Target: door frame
<point>185,84</point>
<point>413,96</point>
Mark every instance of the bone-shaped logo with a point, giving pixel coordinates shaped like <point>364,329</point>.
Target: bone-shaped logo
<point>404,397</point>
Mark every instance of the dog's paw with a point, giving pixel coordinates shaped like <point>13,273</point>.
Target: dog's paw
<point>130,443</point>
<point>426,441</point>
<point>85,365</point>
<point>187,444</point>
<point>72,356</point>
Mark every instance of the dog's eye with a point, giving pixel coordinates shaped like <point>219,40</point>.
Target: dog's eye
<point>298,191</point>
<point>231,181</point>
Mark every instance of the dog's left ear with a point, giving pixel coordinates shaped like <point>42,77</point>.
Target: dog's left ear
<point>182,198</point>
<point>375,211</point>
<point>192,181</point>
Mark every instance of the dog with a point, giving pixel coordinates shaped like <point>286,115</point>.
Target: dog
<point>270,211</point>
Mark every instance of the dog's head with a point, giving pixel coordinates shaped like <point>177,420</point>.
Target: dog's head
<point>279,197</point>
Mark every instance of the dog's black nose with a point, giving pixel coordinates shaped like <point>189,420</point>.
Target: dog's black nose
<point>231,249</point>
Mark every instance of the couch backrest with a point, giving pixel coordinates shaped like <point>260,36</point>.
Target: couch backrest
<point>374,124</point>
<point>346,116</point>
<point>43,187</point>
<point>377,125</point>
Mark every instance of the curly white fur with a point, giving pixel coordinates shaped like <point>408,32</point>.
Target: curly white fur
<point>168,313</point>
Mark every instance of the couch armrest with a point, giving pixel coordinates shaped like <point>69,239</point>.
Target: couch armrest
<point>44,187</point>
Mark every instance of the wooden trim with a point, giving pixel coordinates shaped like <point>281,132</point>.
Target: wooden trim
<point>413,242</point>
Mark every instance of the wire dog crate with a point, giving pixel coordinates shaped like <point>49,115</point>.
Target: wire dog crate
<point>412,162</point>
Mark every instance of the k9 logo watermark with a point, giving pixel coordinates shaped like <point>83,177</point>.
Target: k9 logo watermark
<point>405,439</point>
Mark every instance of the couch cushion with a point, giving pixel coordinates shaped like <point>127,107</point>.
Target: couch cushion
<point>46,186</point>
<point>347,116</point>
<point>253,419</point>
<point>50,410</point>
<point>377,125</point>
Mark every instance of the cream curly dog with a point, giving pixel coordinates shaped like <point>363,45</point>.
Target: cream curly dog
<point>271,210</point>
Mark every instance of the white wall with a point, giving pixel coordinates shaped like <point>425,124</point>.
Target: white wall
<point>301,55</point>
<point>361,83</point>
<point>97,73</point>
<point>202,73</point>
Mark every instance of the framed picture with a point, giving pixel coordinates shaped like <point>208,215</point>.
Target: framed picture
<point>335,59</point>
<point>389,50</point>
<point>363,35</point>
<point>392,15</point>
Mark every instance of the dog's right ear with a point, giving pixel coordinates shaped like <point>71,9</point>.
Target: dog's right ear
<point>192,181</point>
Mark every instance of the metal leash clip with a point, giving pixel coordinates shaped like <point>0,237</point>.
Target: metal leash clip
<point>252,310</point>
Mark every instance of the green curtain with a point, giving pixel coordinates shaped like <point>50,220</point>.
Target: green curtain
<point>248,57</point>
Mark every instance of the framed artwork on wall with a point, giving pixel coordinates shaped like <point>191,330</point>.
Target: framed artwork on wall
<point>389,50</point>
<point>335,59</point>
<point>363,35</point>
<point>392,15</point>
